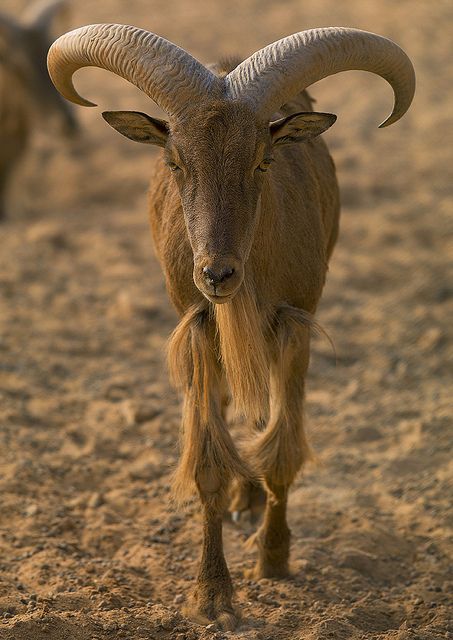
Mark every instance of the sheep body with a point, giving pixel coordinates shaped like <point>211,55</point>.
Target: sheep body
<point>244,211</point>
<point>286,268</point>
<point>14,126</point>
<point>27,97</point>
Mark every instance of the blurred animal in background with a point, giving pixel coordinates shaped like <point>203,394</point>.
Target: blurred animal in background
<point>244,209</point>
<point>28,99</point>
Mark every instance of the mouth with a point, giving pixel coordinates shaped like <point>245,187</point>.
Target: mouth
<point>216,299</point>
<point>216,289</point>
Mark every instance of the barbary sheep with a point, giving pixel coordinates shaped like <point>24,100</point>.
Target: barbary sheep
<point>244,211</point>
<point>27,97</point>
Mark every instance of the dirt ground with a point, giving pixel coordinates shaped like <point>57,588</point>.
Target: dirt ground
<point>90,545</point>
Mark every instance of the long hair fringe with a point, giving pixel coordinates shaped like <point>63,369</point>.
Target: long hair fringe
<point>278,452</point>
<point>208,452</point>
<point>244,351</point>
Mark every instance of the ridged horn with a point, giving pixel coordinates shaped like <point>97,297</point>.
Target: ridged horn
<point>163,71</point>
<point>275,74</point>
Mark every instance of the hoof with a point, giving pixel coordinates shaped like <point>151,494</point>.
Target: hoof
<point>266,570</point>
<point>247,496</point>
<point>273,561</point>
<point>211,604</point>
<point>225,619</point>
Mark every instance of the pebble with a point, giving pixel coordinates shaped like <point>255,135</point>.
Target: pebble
<point>31,510</point>
<point>95,500</point>
<point>430,339</point>
<point>179,598</point>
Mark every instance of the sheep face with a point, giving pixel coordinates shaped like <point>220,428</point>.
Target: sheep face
<point>218,156</point>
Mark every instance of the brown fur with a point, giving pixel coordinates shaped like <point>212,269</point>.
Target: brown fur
<point>220,212</point>
<point>279,451</point>
<point>209,457</point>
<point>243,336</point>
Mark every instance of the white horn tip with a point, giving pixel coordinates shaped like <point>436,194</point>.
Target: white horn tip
<point>236,516</point>
<point>393,117</point>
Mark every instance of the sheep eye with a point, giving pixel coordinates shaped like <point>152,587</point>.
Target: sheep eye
<point>173,166</point>
<point>264,165</point>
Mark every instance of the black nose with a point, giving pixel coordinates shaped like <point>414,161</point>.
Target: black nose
<point>214,277</point>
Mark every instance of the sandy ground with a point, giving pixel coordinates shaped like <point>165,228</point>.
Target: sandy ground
<point>90,546</point>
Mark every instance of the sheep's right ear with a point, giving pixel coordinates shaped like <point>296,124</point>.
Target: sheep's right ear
<point>138,126</point>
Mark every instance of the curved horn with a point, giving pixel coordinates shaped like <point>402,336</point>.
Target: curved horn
<point>166,73</point>
<point>275,74</point>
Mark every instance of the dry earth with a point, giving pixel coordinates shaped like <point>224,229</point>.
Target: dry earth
<point>91,548</point>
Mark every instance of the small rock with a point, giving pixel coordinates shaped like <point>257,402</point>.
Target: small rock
<point>430,339</point>
<point>211,627</point>
<point>95,500</point>
<point>134,413</point>
<point>129,413</point>
<point>179,598</point>
<point>366,434</point>
<point>123,305</point>
<point>360,561</point>
<point>31,510</point>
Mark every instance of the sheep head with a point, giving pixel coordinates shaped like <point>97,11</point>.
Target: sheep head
<point>220,137</point>
<point>218,156</point>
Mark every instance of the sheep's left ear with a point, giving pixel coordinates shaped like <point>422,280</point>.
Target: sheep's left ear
<point>138,126</point>
<point>300,127</point>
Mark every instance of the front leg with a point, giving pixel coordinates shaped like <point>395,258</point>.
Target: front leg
<point>213,462</point>
<point>208,462</point>
<point>279,452</point>
<point>273,537</point>
<point>212,596</point>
